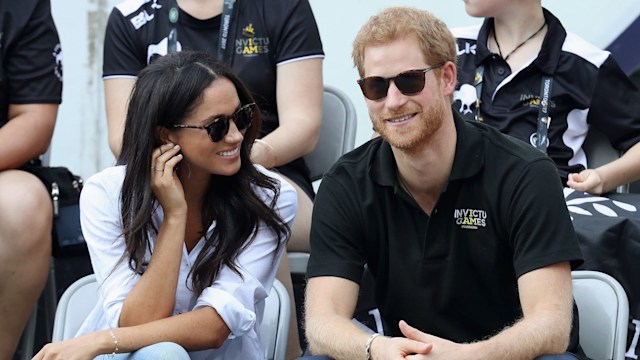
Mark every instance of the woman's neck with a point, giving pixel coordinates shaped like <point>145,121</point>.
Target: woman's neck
<point>201,9</point>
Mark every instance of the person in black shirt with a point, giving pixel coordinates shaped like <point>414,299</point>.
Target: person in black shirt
<point>464,229</point>
<point>30,91</point>
<point>522,49</point>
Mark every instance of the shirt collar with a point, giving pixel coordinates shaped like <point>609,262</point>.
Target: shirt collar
<point>468,159</point>
<point>549,56</point>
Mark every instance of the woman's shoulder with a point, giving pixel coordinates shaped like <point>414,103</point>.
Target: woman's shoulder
<point>285,186</point>
<point>286,189</point>
<point>110,178</point>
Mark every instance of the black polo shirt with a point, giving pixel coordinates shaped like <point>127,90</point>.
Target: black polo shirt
<point>263,34</point>
<point>30,55</point>
<point>589,89</point>
<point>454,273</point>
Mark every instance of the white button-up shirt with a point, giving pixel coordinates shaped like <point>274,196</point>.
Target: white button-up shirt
<point>238,300</point>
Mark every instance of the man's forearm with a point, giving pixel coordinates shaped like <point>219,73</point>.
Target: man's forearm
<point>547,333</point>
<point>336,337</point>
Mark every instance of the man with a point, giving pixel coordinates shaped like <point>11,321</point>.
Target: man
<point>465,231</point>
<point>30,91</point>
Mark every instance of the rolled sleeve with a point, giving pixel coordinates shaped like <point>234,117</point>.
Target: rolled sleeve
<point>237,309</point>
<point>236,297</point>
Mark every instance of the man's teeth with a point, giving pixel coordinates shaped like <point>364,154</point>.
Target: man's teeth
<point>406,117</point>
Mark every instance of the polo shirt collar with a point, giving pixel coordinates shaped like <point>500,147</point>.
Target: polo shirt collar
<point>468,160</point>
<point>549,56</point>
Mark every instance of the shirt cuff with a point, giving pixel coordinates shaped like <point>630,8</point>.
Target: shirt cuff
<point>238,318</point>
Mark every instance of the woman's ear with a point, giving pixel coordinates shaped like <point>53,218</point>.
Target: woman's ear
<point>164,135</point>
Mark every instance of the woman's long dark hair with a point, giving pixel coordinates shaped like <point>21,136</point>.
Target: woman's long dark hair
<point>166,92</point>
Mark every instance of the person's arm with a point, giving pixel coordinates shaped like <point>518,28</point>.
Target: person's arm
<point>179,329</point>
<point>608,177</point>
<point>299,95</point>
<point>545,295</point>
<point>330,302</point>
<point>33,89</point>
<point>27,134</point>
<point>116,94</point>
<point>615,111</point>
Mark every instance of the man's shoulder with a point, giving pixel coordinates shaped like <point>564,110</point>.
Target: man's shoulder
<point>358,159</point>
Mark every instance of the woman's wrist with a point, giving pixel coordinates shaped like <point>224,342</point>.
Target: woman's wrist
<point>269,154</point>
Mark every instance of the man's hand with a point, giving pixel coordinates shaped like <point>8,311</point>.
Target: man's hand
<point>439,348</point>
<point>397,348</point>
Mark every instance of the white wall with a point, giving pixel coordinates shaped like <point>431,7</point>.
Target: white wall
<point>80,139</point>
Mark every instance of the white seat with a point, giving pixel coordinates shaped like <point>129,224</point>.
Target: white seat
<point>275,323</point>
<point>337,132</point>
<point>604,314</point>
<point>80,298</point>
<point>337,137</point>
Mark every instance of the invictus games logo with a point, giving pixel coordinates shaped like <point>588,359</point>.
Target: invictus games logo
<point>249,44</point>
<point>470,218</point>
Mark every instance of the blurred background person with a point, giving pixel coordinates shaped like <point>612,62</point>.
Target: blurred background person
<point>520,50</point>
<point>30,92</point>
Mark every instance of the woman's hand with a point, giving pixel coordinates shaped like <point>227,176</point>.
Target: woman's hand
<point>164,180</point>
<point>81,348</point>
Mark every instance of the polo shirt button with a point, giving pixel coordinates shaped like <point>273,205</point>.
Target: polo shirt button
<point>501,71</point>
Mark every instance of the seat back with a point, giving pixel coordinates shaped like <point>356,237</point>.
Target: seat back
<point>274,329</point>
<point>337,132</point>
<point>79,299</point>
<point>604,314</point>
<point>74,306</point>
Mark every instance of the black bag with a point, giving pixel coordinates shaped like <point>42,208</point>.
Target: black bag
<point>64,188</point>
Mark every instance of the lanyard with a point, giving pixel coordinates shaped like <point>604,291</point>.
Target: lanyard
<point>544,118</point>
<point>172,39</point>
<point>225,27</point>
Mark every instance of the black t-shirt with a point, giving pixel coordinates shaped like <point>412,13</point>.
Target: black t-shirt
<point>454,273</point>
<point>263,34</point>
<point>30,55</point>
<point>589,89</point>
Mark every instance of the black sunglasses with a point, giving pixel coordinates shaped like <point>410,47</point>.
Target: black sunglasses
<point>408,82</point>
<point>219,127</point>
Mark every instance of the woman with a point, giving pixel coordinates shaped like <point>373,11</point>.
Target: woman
<point>522,50</point>
<point>185,234</point>
<point>273,45</point>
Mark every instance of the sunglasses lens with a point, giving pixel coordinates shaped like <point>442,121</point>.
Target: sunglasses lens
<point>374,88</point>
<point>244,117</point>
<point>218,129</point>
<point>410,82</point>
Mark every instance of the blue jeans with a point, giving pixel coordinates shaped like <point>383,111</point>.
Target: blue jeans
<point>565,356</point>
<point>159,351</point>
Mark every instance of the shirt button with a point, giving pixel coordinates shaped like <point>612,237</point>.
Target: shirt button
<point>501,71</point>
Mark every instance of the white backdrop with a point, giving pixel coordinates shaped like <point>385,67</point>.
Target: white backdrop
<point>80,139</point>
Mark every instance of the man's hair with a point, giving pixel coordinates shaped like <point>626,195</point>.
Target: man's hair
<point>436,41</point>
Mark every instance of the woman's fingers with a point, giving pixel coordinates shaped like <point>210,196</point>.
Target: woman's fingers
<point>164,158</point>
